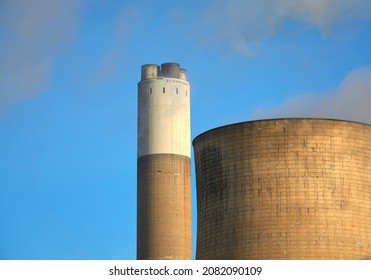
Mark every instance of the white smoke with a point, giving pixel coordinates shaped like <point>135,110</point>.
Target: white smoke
<point>351,100</point>
<point>239,24</point>
<point>128,19</point>
<point>31,34</point>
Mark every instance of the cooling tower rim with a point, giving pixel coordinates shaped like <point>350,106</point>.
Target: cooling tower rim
<point>274,119</point>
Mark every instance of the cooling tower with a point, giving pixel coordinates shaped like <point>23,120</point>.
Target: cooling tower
<point>164,175</point>
<point>284,189</point>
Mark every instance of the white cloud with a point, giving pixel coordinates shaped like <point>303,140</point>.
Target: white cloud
<point>236,24</point>
<point>351,100</point>
<point>31,34</point>
<point>127,19</point>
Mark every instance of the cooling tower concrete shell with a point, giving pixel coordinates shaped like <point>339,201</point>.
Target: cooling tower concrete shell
<point>284,189</point>
<point>164,223</point>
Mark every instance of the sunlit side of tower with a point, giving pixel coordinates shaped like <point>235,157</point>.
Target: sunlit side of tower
<point>164,170</point>
<point>284,189</point>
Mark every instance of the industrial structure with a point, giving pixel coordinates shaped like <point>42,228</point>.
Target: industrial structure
<point>294,188</point>
<point>284,189</point>
<point>164,229</point>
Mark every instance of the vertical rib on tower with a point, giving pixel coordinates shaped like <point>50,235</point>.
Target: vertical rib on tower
<point>164,175</point>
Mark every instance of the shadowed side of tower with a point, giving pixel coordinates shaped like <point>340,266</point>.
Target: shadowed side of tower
<point>164,176</point>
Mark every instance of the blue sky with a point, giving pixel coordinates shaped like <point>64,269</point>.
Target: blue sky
<point>68,84</point>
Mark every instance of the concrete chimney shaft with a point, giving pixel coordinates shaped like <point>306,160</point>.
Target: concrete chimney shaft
<point>164,169</point>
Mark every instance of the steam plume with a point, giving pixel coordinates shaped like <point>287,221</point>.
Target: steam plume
<point>32,33</point>
<point>239,24</point>
<point>351,100</point>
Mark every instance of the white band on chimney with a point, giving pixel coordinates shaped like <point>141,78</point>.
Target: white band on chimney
<point>164,116</point>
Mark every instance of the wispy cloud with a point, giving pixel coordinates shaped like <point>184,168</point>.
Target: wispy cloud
<point>31,34</point>
<point>351,100</point>
<point>238,25</point>
<point>127,19</point>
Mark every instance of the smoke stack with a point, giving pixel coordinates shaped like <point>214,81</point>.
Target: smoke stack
<point>164,229</point>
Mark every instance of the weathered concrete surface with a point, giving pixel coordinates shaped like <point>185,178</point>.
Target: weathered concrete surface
<point>164,207</point>
<point>284,189</point>
<point>164,116</point>
<point>164,149</point>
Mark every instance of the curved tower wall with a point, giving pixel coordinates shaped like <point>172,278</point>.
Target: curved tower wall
<point>284,189</point>
<point>164,176</point>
